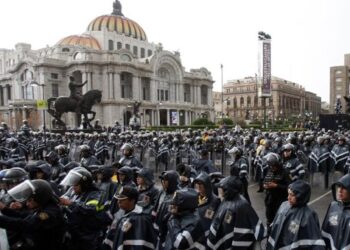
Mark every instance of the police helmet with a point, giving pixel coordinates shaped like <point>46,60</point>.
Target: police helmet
<point>52,157</point>
<point>128,146</point>
<point>78,176</point>
<point>288,147</point>
<point>61,149</point>
<point>13,175</point>
<point>39,190</point>
<point>272,159</point>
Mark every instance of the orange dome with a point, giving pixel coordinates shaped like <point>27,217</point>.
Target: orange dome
<point>83,40</point>
<point>119,24</point>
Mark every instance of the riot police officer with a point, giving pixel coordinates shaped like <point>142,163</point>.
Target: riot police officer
<point>128,158</point>
<point>43,226</point>
<point>83,202</point>
<point>185,230</point>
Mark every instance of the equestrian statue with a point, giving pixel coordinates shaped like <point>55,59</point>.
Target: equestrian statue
<point>76,103</point>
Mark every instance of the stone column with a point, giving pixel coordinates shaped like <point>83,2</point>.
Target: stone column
<point>168,117</point>
<point>110,86</point>
<point>199,95</point>
<point>153,89</point>
<point>90,83</point>
<point>5,89</point>
<point>181,93</point>
<point>117,88</point>
<point>136,88</point>
<point>86,86</point>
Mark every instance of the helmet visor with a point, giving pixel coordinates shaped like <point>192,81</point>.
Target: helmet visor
<point>71,179</point>
<point>22,191</point>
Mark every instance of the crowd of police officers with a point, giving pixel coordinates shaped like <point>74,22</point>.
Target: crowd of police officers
<point>99,191</point>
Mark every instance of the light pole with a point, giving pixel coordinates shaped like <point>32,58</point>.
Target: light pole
<point>222,92</point>
<point>34,83</point>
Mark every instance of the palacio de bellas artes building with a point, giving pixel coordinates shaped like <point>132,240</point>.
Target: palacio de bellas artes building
<point>112,55</point>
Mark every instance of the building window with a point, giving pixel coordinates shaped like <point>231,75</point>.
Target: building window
<point>134,50</point>
<point>2,103</point>
<point>339,79</point>
<point>204,95</point>
<point>338,72</point>
<point>119,45</point>
<point>242,102</point>
<point>149,53</point>
<point>55,90</point>
<point>248,102</point>
<point>166,95</point>
<point>27,92</point>
<point>338,88</point>
<point>110,45</point>
<point>54,76</point>
<point>127,46</point>
<point>126,85</point>
<point>78,56</point>
<point>146,88</point>
<point>9,92</point>
<point>187,93</point>
<point>142,52</point>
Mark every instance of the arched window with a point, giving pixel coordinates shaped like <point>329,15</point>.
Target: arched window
<point>234,103</point>
<point>242,102</point>
<point>248,102</point>
<point>119,45</point>
<point>125,58</point>
<point>256,101</point>
<point>27,88</point>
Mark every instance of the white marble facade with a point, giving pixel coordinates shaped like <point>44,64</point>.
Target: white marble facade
<point>113,55</point>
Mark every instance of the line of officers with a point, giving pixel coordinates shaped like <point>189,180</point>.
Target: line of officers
<point>48,205</point>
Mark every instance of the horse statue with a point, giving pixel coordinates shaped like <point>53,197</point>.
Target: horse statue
<point>63,104</point>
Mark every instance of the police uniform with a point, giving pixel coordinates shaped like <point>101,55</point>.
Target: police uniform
<point>336,224</point>
<point>236,224</point>
<point>296,226</point>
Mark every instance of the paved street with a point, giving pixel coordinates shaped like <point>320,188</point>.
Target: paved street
<point>320,198</point>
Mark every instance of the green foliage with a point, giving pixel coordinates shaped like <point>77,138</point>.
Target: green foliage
<point>227,121</point>
<point>202,121</point>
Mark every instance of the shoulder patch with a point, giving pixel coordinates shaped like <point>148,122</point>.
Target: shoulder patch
<point>209,213</point>
<point>126,226</point>
<point>43,216</point>
<point>228,217</point>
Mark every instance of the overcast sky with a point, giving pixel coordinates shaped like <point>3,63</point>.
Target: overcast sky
<point>308,36</point>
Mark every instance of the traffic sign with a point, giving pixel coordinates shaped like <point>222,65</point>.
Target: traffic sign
<point>41,104</point>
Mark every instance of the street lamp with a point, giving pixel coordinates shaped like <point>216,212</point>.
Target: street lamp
<point>34,83</point>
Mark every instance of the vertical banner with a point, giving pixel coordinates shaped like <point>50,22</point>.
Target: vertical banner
<point>266,69</point>
<point>174,118</point>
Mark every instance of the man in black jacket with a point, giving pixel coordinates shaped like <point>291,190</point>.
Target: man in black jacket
<point>276,184</point>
